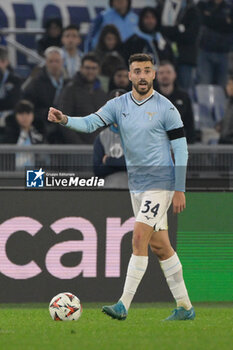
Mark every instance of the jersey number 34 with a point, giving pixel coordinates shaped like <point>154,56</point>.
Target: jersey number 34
<point>153,210</point>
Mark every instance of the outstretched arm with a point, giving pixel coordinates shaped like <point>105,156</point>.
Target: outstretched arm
<point>82,124</point>
<point>105,116</point>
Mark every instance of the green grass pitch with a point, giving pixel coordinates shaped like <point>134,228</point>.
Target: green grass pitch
<point>29,327</point>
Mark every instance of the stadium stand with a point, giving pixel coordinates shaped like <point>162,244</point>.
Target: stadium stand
<point>20,131</point>
<point>72,54</point>
<point>226,125</point>
<point>82,96</point>
<point>166,77</point>
<point>108,52</point>
<point>9,89</point>
<point>44,90</point>
<point>179,31</point>
<point>148,38</point>
<point>215,41</point>
<point>52,35</point>
<point>119,14</point>
<point>212,98</point>
<point>181,24</point>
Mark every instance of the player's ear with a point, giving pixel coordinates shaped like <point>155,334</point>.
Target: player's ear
<point>129,75</point>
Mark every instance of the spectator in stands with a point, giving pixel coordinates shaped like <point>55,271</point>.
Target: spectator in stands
<point>108,53</point>
<point>45,89</point>
<point>166,77</point>
<point>148,38</point>
<point>109,41</point>
<point>226,126</point>
<point>83,96</point>
<point>120,79</point>
<point>180,22</point>
<point>120,15</point>
<point>215,41</point>
<point>9,87</point>
<point>71,40</point>
<point>20,131</point>
<point>108,157</point>
<point>52,36</point>
<point>19,126</point>
<point>109,45</point>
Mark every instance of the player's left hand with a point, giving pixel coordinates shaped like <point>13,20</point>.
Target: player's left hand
<point>178,202</point>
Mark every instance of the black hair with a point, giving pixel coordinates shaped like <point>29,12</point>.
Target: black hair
<point>71,27</point>
<point>90,57</point>
<point>112,85</point>
<point>154,12</point>
<point>24,106</point>
<point>140,57</point>
<point>129,4</point>
<point>51,21</point>
<point>165,63</point>
<point>120,68</point>
<point>110,28</point>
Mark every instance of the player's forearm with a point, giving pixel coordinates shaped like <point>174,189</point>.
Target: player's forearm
<point>86,124</point>
<point>180,151</point>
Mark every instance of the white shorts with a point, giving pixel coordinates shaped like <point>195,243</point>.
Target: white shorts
<point>150,207</point>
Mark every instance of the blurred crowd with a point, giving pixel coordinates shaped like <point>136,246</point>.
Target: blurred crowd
<point>192,45</point>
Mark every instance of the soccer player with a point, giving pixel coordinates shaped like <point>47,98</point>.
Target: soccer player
<point>149,126</point>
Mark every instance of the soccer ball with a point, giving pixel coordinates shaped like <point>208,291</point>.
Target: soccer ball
<point>65,307</point>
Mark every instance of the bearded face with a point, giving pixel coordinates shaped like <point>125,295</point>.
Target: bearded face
<point>142,75</point>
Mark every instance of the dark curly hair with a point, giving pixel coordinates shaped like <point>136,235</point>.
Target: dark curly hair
<point>110,28</point>
<point>154,12</point>
<point>129,4</point>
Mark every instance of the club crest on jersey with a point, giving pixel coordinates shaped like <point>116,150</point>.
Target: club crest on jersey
<point>151,114</point>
